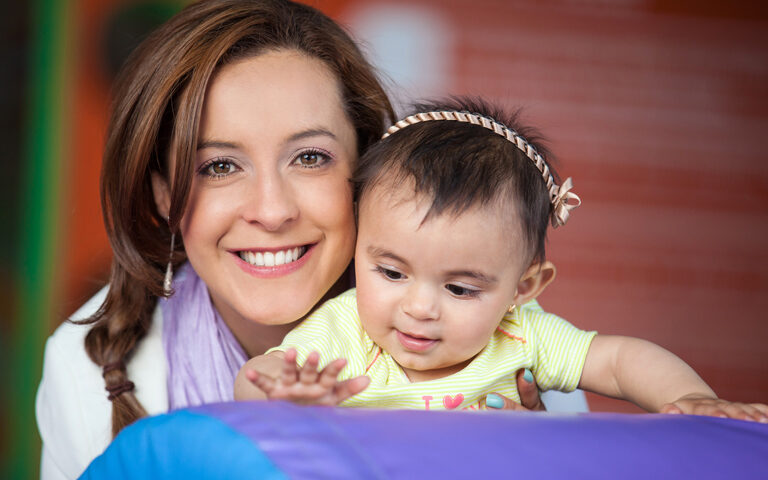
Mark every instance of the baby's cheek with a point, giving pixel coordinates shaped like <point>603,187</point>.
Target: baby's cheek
<point>367,304</point>
<point>474,339</point>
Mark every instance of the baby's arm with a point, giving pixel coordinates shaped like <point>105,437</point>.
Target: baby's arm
<point>656,380</point>
<point>269,364</point>
<point>276,376</point>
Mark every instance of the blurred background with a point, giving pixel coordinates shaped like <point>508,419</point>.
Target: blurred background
<point>657,109</point>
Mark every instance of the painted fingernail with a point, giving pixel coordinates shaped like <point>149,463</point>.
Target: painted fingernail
<point>528,376</point>
<point>493,401</point>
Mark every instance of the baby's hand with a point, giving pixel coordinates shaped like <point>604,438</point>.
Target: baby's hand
<point>715,407</point>
<point>307,386</point>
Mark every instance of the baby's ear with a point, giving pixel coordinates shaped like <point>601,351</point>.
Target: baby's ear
<point>534,281</point>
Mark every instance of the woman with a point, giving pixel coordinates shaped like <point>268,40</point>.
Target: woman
<point>234,132</point>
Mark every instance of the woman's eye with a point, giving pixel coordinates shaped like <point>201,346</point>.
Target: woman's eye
<point>312,159</point>
<point>390,274</point>
<point>460,291</point>
<point>219,168</point>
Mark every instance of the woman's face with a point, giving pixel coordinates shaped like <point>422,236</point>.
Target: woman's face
<point>269,226</point>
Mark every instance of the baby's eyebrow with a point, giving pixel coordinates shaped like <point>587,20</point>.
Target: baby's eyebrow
<point>488,279</point>
<point>380,252</point>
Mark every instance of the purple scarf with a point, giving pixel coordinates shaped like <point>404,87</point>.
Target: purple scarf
<point>203,356</point>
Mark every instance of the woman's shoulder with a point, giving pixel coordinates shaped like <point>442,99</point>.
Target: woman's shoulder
<point>73,412</point>
<point>91,305</point>
<point>71,336</point>
<point>68,344</point>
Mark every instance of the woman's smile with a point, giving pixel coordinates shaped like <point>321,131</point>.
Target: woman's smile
<point>272,258</point>
<point>273,262</point>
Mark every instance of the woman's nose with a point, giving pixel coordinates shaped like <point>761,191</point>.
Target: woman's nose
<point>271,202</point>
<point>421,302</point>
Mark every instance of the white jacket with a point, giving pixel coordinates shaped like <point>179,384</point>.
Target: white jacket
<point>74,415</point>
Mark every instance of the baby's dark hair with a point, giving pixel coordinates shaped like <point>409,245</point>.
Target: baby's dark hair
<point>461,165</point>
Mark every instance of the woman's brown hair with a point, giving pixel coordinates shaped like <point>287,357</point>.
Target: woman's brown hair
<point>158,99</point>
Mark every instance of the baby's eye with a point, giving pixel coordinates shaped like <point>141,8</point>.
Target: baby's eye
<point>312,159</point>
<point>460,291</point>
<point>219,168</point>
<point>390,274</point>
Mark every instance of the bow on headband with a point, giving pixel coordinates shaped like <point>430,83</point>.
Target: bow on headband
<point>561,207</point>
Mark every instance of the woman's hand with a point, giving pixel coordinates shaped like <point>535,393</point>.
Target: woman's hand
<point>529,395</point>
<point>716,407</point>
<point>307,385</point>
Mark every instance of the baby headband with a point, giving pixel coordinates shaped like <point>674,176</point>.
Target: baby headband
<point>558,195</point>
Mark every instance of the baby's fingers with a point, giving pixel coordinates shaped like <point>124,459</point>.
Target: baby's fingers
<point>331,372</point>
<point>719,408</point>
<point>290,373</point>
<point>308,373</point>
<point>707,407</point>
<point>743,411</point>
<point>265,383</point>
<point>671,408</point>
<point>351,387</point>
<point>762,409</point>
<point>724,409</point>
<point>710,410</point>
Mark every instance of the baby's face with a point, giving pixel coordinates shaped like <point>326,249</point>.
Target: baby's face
<point>432,294</point>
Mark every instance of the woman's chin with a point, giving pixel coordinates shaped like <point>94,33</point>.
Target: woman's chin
<point>274,310</point>
<point>277,319</point>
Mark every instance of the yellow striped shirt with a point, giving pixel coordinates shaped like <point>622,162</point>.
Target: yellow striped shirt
<point>553,349</point>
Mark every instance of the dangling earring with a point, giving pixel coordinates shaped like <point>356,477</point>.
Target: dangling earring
<point>169,269</point>
<point>511,309</point>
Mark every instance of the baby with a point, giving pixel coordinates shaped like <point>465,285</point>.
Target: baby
<point>454,206</point>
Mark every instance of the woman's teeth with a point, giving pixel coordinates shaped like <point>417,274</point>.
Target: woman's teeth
<point>272,259</point>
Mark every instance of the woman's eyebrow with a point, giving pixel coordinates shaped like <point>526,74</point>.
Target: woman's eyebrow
<point>312,132</point>
<point>218,144</point>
